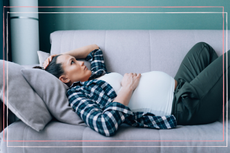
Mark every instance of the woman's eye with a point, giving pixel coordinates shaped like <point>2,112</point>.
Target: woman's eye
<point>72,62</point>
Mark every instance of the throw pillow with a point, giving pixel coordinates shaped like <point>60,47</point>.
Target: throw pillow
<point>42,56</point>
<point>20,98</point>
<point>53,93</point>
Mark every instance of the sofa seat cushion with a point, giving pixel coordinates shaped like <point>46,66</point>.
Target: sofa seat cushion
<point>74,137</point>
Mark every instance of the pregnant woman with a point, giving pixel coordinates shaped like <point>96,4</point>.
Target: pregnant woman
<point>153,99</point>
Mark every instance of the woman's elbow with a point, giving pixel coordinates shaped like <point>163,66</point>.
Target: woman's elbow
<point>95,46</point>
<point>109,134</point>
<point>109,131</point>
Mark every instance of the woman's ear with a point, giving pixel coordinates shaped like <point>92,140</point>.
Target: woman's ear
<point>64,79</point>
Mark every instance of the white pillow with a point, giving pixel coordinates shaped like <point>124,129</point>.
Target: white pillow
<point>42,56</point>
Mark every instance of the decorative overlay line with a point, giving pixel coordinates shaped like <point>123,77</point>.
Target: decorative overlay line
<point>224,13</point>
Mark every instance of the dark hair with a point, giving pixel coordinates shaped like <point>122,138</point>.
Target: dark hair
<point>54,67</point>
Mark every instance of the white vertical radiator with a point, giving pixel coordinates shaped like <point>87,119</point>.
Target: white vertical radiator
<point>24,31</point>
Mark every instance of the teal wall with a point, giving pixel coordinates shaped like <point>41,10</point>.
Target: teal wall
<point>50,22</point>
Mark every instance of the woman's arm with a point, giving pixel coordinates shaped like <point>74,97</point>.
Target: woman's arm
<point>78,53</point>
<point>82,52</point>
<point>124,96</point>
<point>106,121</point>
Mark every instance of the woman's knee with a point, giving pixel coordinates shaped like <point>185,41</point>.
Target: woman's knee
<point>198,47</point>
<point>207,50</point>
<point>203,45</point>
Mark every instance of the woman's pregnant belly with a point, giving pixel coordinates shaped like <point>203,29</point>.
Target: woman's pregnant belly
<point>154,92</point>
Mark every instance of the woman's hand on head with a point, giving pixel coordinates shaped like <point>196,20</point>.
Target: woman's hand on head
<point>131,80</point>
<point>48,60</point>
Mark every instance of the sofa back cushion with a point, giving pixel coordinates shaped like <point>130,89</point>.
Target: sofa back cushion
<point>138,50</point>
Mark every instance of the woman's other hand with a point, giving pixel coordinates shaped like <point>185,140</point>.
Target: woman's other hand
<point>48,60</point>
<point>131,80</point>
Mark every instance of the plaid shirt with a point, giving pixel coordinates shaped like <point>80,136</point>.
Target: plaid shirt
<point>93,101</point>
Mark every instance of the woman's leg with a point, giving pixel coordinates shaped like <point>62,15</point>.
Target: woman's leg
<point>210,85</point>
<point>200,99</point>
<point>197,59</point>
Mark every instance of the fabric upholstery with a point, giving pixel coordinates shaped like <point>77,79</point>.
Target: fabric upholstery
<point>53,93</point>
<point>21,98</point>
<point>138,50</point>
<point>60,137</point>
<point>42,56</point>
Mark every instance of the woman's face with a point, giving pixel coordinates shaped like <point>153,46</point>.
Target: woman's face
<point>73,70</point>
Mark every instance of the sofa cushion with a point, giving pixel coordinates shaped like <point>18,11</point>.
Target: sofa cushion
<point>53,93</point>
<point>155,50</point>
<point>20,98</point>
<point>196,138</point>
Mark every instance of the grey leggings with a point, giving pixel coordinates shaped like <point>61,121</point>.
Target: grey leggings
<point>198,98</point>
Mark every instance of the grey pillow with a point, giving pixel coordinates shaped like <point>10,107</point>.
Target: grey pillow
<point>20,98</point>
<point>53,93</point>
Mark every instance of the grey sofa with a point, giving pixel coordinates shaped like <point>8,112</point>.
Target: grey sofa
<point>127,51</point>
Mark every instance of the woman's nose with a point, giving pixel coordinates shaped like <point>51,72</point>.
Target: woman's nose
<point>81,63</point>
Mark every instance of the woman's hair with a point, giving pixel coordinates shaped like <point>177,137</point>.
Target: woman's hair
<point>54,67</point>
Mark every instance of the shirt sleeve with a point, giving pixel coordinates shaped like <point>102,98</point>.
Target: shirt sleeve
<point>104,121</point>
<point>97,62</point>
<point>149,120</point>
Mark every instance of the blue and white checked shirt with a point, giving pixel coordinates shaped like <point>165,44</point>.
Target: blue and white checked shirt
<point>93,101</point>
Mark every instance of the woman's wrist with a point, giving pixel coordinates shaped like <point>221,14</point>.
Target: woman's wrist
<point>127,88</point>
<point>82,52</point>
<point>124,96</point>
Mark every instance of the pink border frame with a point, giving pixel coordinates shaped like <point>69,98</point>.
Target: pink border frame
<point>104,140</point>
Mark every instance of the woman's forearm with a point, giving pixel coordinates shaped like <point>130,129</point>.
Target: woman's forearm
<point>129,83</point>
<point>124,96</point>
<point>82,52</point>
